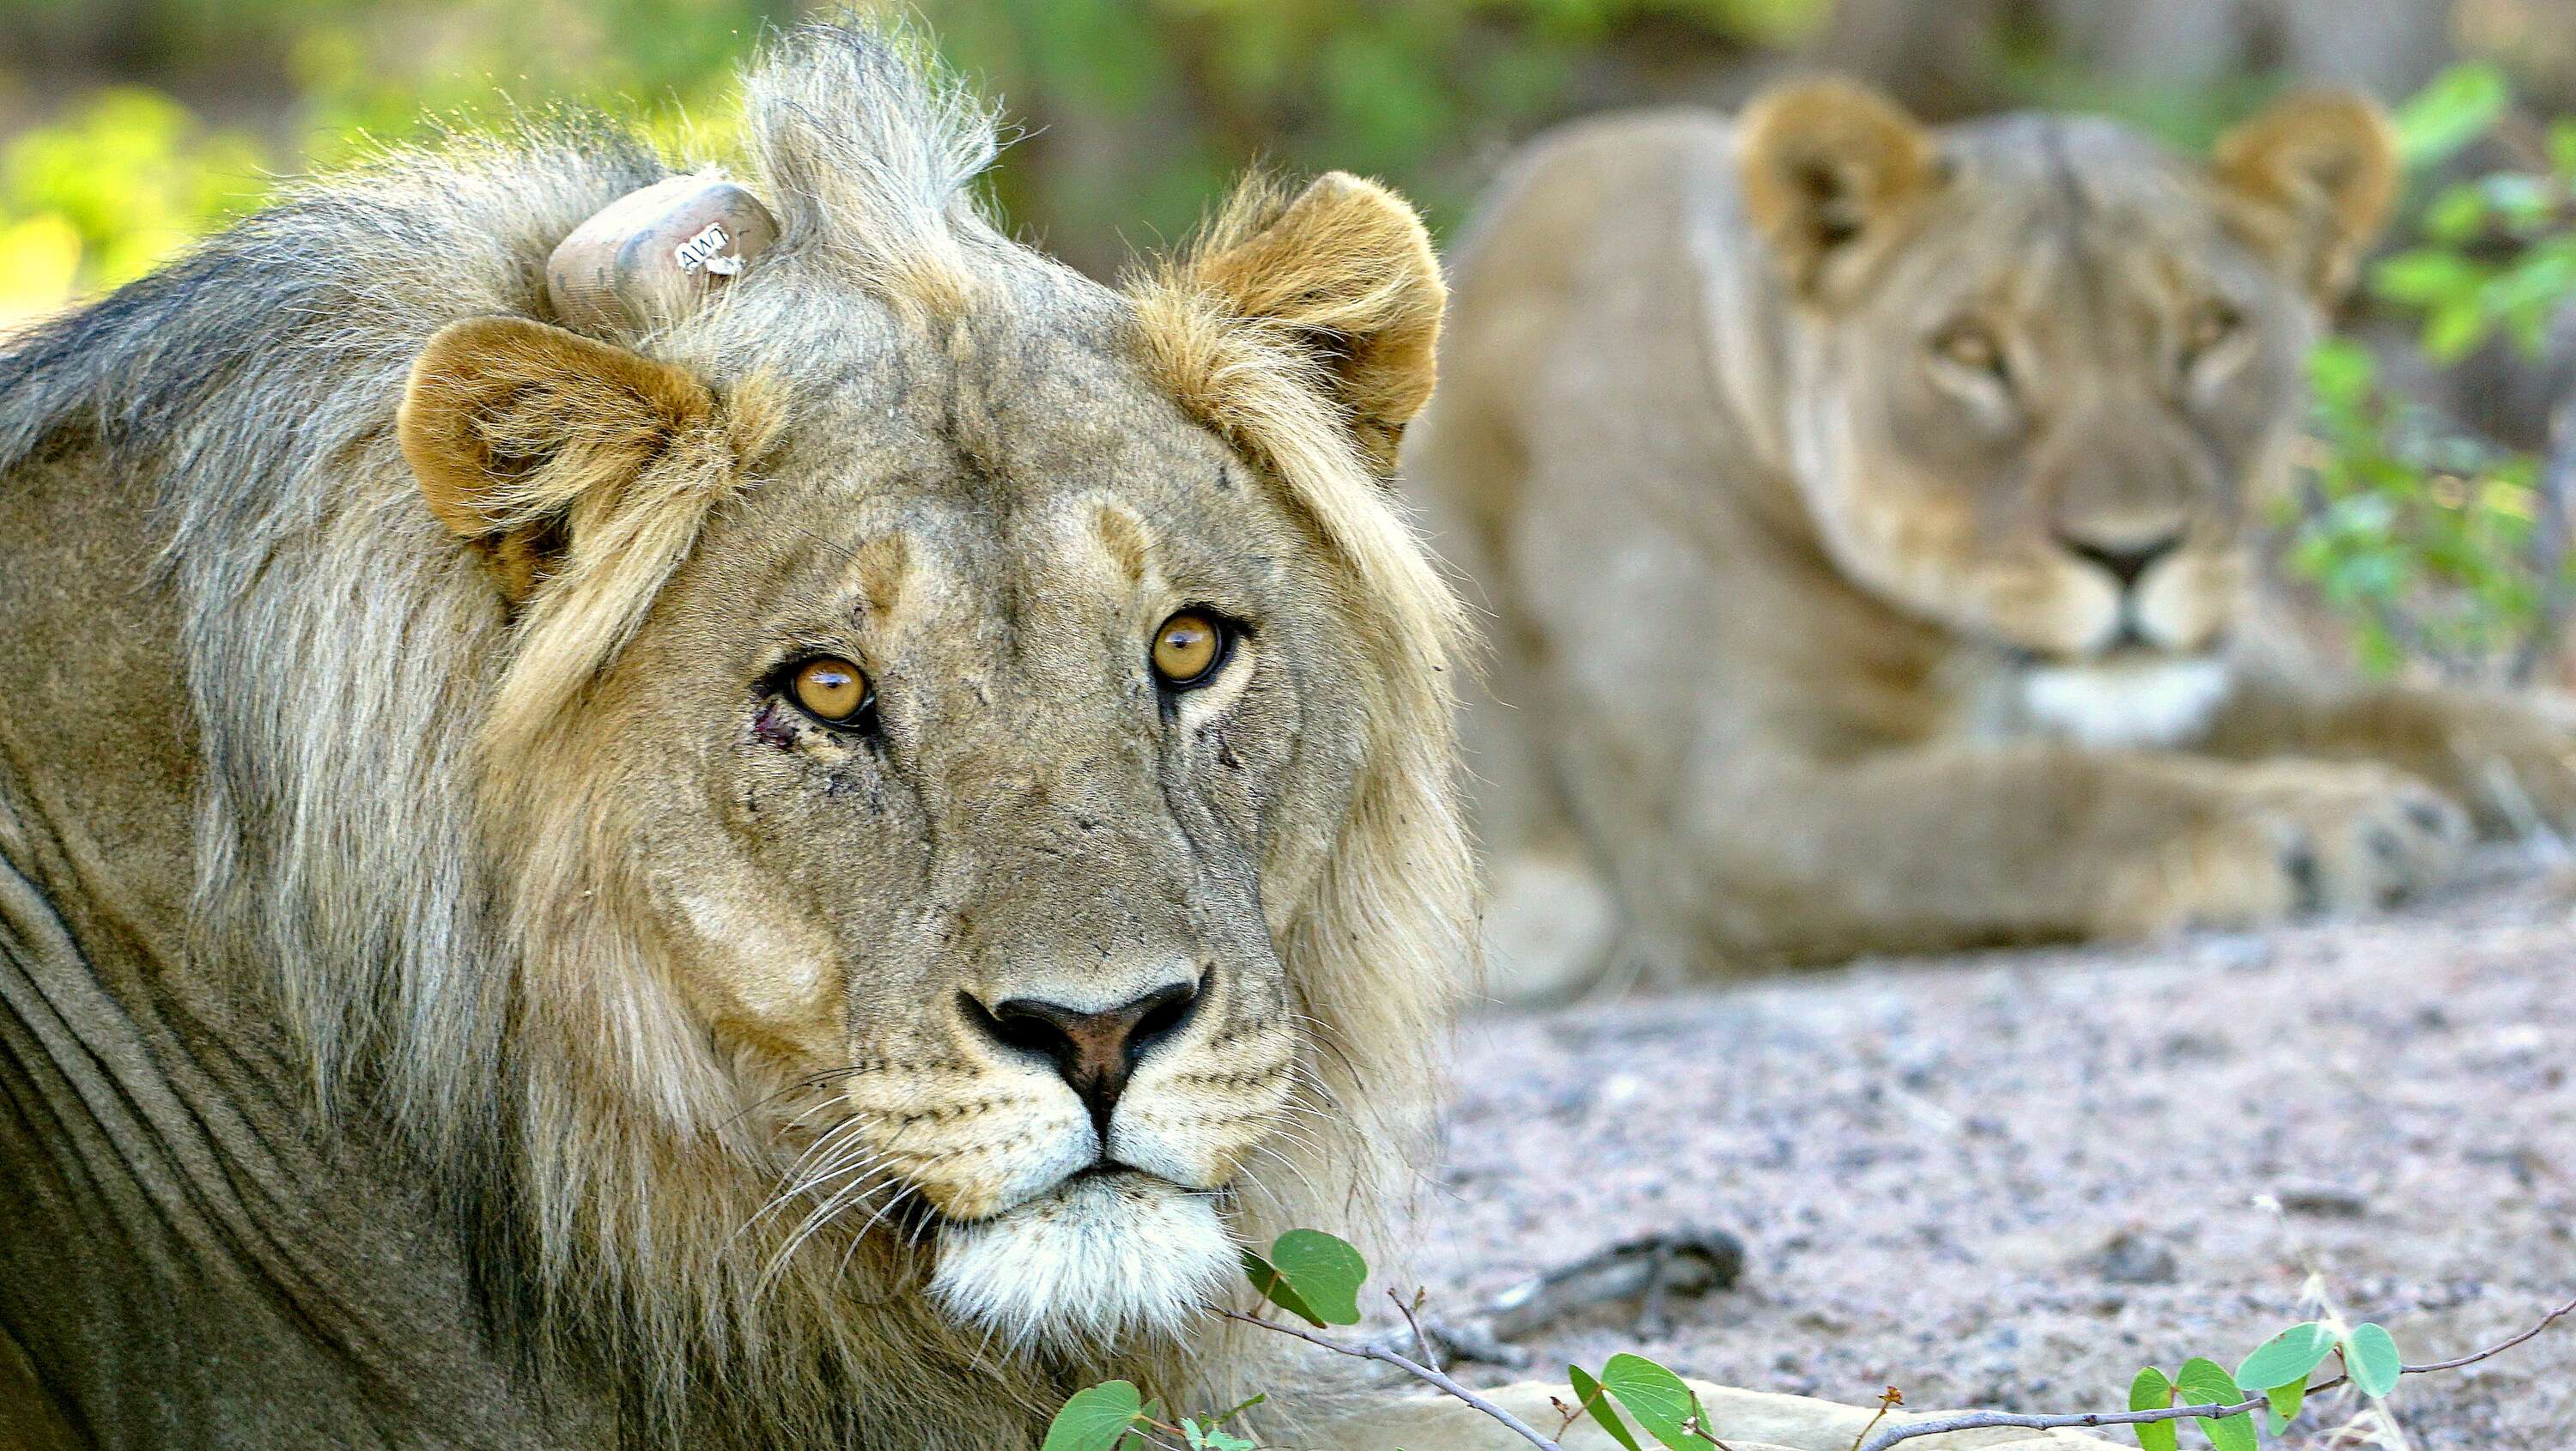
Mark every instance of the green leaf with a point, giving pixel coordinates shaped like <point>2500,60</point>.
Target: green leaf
<point>2342,370</point>
<point>2152,1392</point>
<point>1595,1402</point>
<point>1276,1289</point>
<point>2426,276</point>
<point>2455,329</point>
<point>1325,1272</point>
<point>1656,1397</point>
<point>2286,1401</point>
<point>2460,105</point>
<point>2562,146</point>
<point>2286,1357</point>
<point>2457,215</point>
<point>2205,1382</point>
<point>2370,1354</point>
<point>1237,1409</point>
<point>1094,1419</point>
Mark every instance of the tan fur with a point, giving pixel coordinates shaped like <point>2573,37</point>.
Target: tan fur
<point>654,999</point>
<point>1338,281</point>
<point>509,423</point>
<point>1826,164</point>
<point>2320,172</point>
<point>1799,456</point>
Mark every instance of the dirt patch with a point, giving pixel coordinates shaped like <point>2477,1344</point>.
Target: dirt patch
<point>2010,1180</point>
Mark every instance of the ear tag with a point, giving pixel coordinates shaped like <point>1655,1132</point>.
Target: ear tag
<point>652,254</point>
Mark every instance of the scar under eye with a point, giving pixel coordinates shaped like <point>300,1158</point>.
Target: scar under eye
<point>770,726</point>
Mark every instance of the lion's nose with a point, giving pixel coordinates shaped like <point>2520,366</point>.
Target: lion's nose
<point>1094,1051</point>
<point>2127,560</point>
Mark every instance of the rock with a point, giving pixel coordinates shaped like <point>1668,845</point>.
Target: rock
<point>2130,1259</point>
<point>2324,1201</point>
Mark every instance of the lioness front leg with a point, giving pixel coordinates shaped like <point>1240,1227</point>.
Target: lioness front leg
<point>2511,759</point>
<point>1968,847</point>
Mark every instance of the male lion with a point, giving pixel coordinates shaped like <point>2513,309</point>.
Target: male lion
<point>1866,510</point>
<point>857,835</point>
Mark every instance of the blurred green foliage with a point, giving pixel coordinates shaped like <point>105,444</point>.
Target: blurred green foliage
<point>109,190</point>
<point>2441,548</point>
<point>1147,107</point>
<point>119,178</point>
<point>1141,110</point>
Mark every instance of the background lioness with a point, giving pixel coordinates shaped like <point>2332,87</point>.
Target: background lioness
<point>1865,511</point>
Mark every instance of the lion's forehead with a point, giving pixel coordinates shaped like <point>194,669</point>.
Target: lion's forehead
<point>2076,231</point>
<point>940,541</point>
<point>1005,409</point>
<point>1071,496</point>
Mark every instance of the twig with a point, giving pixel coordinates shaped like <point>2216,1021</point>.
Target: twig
<point>1472,1342</point>
<point>2549,540</point>
<point>1420,1340</point>
<point>1886,1403</point>
<point>1413,1368</point>
<point>1686,1261</point>
<point>2546,1321</point>
<point>1976,1420</point>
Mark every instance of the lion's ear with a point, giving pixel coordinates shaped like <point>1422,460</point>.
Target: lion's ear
<point>2314,176</point>
<point>1831,170</point>
<point>1345,271</point>
<point>514,428</point>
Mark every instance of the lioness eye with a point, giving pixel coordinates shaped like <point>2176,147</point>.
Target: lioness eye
<point>2211,325</point>
<point>1971,347</point>
<point>831,690</point>
<point>1188,648</point>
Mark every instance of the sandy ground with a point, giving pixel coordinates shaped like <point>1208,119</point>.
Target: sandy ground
<point>2010,1180</point>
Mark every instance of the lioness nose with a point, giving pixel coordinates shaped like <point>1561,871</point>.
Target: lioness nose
<point>2127,560</point>
<point>1094,1051</point>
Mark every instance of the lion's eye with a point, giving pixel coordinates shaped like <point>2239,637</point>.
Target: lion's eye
<point>1969,346</point>
<point>831,690</point>
<point>2211,324</point>
<point>1188,648</point>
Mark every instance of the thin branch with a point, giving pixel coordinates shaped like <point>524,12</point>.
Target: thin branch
<point>1420,1340</point>
<point>1977,1420</point>
<point>2549,541</point>
<point>1413,1368</point>
<point>2546,1321</point>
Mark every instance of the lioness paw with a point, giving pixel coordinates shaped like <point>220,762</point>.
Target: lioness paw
<point>2513,760</point>
<point>2293,838</point>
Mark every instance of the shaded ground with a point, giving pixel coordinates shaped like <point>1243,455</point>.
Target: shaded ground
<point>2011,1180</point>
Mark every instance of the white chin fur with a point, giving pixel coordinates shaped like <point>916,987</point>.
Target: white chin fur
<point>1093,1263</point>
<point>2123,703</point>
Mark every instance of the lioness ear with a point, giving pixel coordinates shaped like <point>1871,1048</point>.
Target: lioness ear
<point>1831,170</point>
<point>2313,177</point>
<point>512,426</point>
<point>1345,271</point>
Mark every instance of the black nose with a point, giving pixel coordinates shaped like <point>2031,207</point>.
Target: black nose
<point>1094,1051</point>
<point>2128,561</point>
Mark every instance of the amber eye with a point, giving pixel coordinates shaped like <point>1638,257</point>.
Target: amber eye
<point>1188,648</point>
<point>831,690</point>
<point>1971,347</point>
